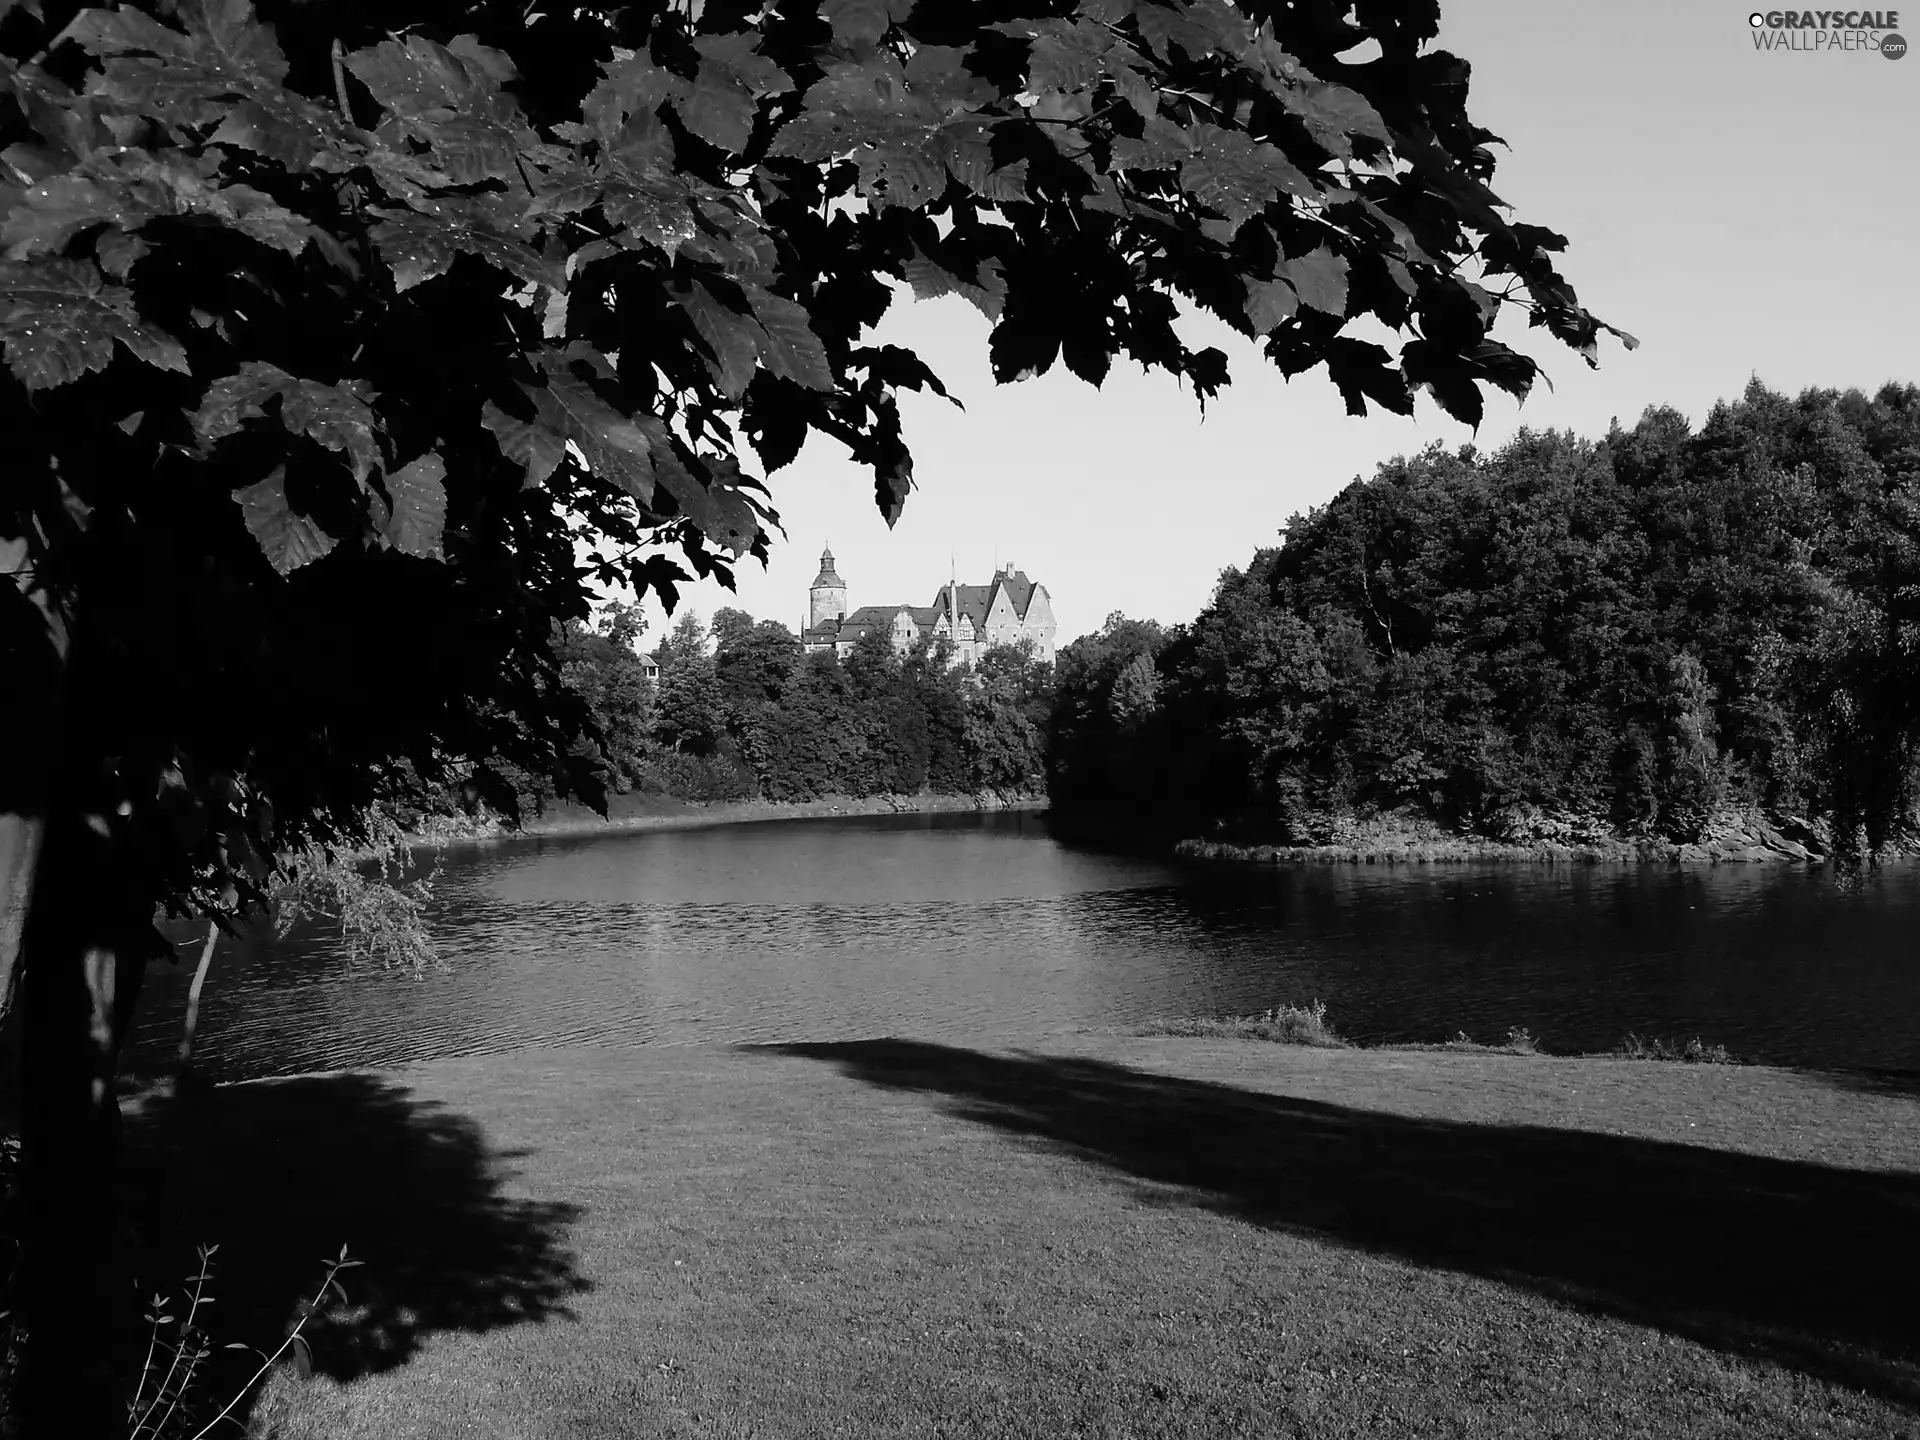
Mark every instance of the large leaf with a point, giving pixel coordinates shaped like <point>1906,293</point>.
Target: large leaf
<point>659,209</point>
<point>721,104</point>
<point>635,453</point>
<point>449,100</point>
<point>288,540</point>
<point>1238,176</point>
<point>50,213</point>
<point>1161,145</point>
<point>860,23</point>
<point>528,443</point>
<point>59,320</point>
<point>1269,302</point>
<point>338,417</point>
<point>792,351</point>
<point>615,447</point>
<point>1067,55</point>
<point>225,70</point>
<point>891,119</point>
<point>1320,277</point>
<point>930,280</point>
<point>735,339</point>
<point>1197,27</point>
<point>418,490</point>
<point>117,252</point>
<point>420,247</point>
<point>620,109</point>
<point>1334,114</point>
<point>131,186</point>
<point>717,508</point>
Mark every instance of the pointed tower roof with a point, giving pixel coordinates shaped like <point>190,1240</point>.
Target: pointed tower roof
<point>828,575</point>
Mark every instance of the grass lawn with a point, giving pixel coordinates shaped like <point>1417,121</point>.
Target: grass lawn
<point>1119,1237</point>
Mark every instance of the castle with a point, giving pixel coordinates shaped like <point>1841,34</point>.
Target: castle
<point>973,616</point>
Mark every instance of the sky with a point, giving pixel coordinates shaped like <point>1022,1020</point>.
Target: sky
<point>1740,211</point>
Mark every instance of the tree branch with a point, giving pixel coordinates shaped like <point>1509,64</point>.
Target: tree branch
<point>340,81</point>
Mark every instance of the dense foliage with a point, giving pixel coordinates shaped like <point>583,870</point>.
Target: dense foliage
<point>1631,635</point>
<point>755,718</point>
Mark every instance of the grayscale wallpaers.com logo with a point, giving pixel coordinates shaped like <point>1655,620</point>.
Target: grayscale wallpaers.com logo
<point>1828,30</point>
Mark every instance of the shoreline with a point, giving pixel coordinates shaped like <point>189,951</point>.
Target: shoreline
<point>633,813</point>
<point>140,1090</point>
<point>1463,850</point>
<point>1739,841</point>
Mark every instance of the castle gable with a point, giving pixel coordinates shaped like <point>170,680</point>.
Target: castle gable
<point>1018,590</point>
<point>974,601</point>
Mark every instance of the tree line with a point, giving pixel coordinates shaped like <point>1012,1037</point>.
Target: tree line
<point>1631,635</point>
<point>740,711</point>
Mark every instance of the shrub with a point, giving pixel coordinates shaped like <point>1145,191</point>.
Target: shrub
<point>1284,1025</point>
<point>721,776</point>
<point>1693,1052</point>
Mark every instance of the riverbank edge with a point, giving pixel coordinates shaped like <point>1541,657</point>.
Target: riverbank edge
<point>137,1094</point>
<point>625,815</point>
<point>1745,842</point>
<point>1467,850</point>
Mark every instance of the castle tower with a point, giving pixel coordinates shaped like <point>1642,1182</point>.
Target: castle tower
<point>828,597</point>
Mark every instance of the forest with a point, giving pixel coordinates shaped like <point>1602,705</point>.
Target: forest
<point>739,712</point>
<point>1563,639</point>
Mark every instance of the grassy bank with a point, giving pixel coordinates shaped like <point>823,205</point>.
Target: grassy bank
<point>1121,1236</point>
<point>665,812</point>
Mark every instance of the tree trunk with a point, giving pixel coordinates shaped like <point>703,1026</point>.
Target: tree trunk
<point>20,837</point>
<point>72,958</point>
<point>193,1001</point>
<point>83,968</point>
<point>29,743</point>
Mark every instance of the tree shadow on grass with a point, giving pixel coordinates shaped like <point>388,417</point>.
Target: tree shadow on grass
<point>279,1174</point>
<point>1815,1268</point>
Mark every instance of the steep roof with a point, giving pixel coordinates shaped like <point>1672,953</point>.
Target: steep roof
<point>1019,590</point>
<point>866,618</point>
<point>973,601</point>
<point>976,600</point>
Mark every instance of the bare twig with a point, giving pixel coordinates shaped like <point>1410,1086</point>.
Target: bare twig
<point>199,1289</point>
<point>334,1267</point>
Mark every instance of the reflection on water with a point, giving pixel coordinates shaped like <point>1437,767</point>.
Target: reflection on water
<point>984,925</point>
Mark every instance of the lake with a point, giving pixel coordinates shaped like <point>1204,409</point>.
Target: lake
<point>985,926</point>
